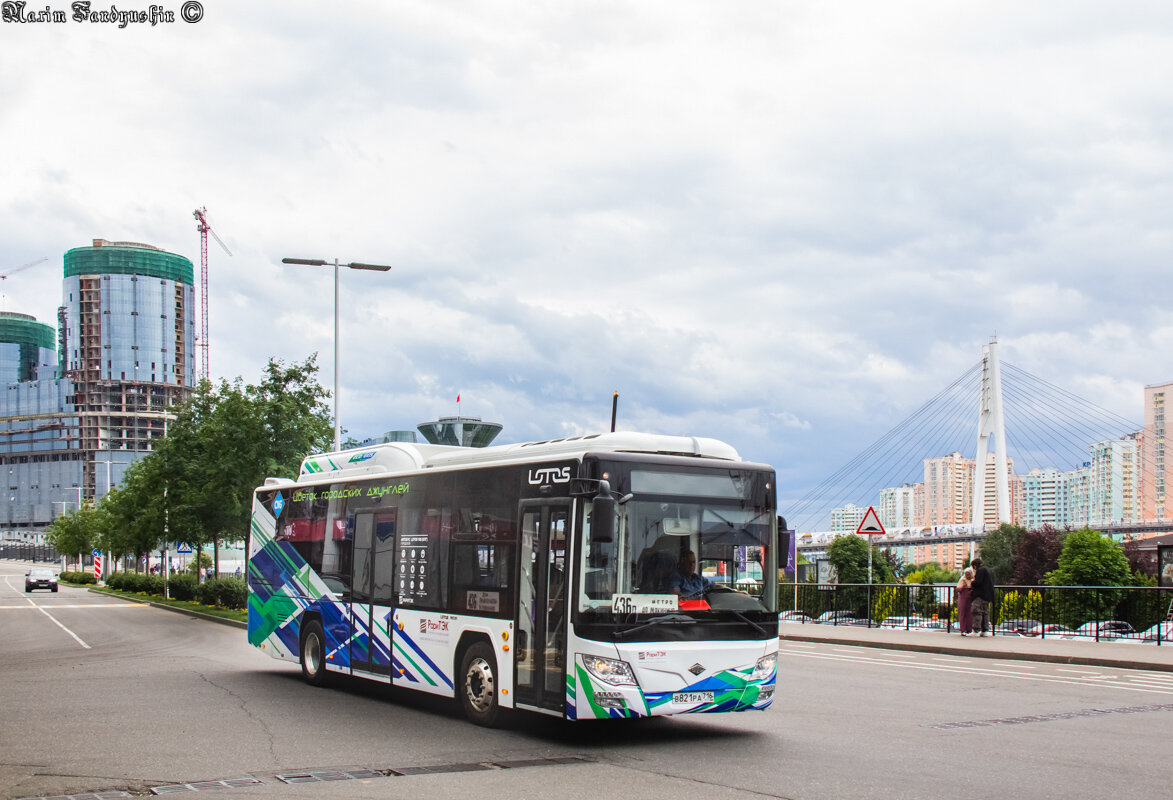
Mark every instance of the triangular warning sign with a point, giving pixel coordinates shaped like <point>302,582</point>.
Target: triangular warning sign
<point>870,525</point>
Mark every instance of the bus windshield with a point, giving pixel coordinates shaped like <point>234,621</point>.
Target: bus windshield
<point>698,543</point>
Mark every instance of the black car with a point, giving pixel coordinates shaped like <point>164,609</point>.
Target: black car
<point>40,578</point>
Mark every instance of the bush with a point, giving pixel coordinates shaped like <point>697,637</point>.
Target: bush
<point>1020,605</point>
<point>77,577</point>
<point>223,592</point>
<point>136,582</point>
<point>183,587</point>
<point>889,601</point>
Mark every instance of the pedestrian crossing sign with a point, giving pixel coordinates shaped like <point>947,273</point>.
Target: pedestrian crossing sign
<point>870,524</point>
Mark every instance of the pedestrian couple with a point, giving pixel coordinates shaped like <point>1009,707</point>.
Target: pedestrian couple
<point>975,593</point>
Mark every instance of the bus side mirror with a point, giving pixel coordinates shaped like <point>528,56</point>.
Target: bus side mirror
<point>603,515</point>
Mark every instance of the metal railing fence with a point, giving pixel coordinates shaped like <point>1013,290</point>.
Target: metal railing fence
<point>1143,613</point>
<point>12,551</point>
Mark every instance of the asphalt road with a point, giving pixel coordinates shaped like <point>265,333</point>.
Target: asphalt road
<point>98,695</point>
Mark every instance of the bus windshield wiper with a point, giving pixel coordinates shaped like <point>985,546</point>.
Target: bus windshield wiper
<point>667,619</point>
<point>746,620</point>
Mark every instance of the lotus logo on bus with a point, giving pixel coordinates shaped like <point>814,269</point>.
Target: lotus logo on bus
<point>549,475</point>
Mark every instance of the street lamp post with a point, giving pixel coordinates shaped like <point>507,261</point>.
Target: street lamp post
<point>317,262</point>
<point>108,484</point>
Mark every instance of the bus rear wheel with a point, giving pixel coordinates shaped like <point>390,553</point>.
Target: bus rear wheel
<point>478,685</point>
<point>313,653</point>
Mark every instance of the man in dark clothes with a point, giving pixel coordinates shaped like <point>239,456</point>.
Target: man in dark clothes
<point>983,596</point>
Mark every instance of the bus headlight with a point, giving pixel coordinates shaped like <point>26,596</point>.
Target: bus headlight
<point>610,670</point>
<point>764,668</point>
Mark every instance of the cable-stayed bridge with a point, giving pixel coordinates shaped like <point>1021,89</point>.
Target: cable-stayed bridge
<point>998,444</point>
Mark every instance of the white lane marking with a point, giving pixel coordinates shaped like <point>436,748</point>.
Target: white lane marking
<point>1077,671</point>
<point>79,605</point>
<point>1084,682</point>
<point>56,621</point>
<point>1015,666</point>
<point>1153,683</point>
<point>953,660</point>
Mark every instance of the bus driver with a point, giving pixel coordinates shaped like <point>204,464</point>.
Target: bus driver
<point>686,582</point>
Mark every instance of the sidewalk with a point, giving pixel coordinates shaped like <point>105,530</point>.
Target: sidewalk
<point>1120,653</point>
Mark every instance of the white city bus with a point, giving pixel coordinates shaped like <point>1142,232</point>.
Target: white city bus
<point>535,576</point>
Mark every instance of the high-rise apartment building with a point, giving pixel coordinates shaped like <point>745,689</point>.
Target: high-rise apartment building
<point>1112,482</point>
<point>1044,498</point>
<point>72,423</point>
<point>847,518</point>
<point>1155,455</point>
<point>948,490</point>
<point>897,509</point>
<point>1078,491</point>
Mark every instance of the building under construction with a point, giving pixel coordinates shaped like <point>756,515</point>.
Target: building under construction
<point>74,417</point>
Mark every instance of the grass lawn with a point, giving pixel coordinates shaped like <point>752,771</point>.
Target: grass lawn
<point>237,614</point>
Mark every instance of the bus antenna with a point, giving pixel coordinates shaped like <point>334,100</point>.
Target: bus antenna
<point>614,409</point>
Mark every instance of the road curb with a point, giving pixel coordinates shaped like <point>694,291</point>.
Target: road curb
<point>196,614</point>
<point>975,652</point>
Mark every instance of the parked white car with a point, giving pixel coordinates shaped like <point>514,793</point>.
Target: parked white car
<point>1162,629</point>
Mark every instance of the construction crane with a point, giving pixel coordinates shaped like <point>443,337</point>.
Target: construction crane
<point>22,267</point>
<point>201,217</point>
<point>13,271</point>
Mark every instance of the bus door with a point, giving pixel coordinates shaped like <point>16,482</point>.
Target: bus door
<point>371,591</point>
<point>540,650</point>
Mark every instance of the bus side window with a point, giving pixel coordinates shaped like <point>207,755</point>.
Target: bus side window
<point>480,576</point>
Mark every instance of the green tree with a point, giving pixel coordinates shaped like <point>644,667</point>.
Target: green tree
<point>895,562</point>
<point>930,572</point>
<point>849,555</point>
<point>1090,559</point>
<point>75,532</point>
<point>226,439</point>
<point>1093,560</point>
<point>201,560</point>
<point>997,550</point>
<point>135,513</point>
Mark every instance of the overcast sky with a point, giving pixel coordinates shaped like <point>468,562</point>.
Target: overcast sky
<point>781,224</point>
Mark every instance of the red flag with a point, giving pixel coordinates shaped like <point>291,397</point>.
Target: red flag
<point>458,398</point>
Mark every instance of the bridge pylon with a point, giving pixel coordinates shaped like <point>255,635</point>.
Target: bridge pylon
<point>991,423</point>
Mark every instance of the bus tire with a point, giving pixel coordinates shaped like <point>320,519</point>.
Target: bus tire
<point>313,653</point>
<point>478,685</point>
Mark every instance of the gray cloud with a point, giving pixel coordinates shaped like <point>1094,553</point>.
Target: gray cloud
<point>785,226</point>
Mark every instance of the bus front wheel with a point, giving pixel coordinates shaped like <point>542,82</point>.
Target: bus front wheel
<point>313,653</point>
<point>478,684</point>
